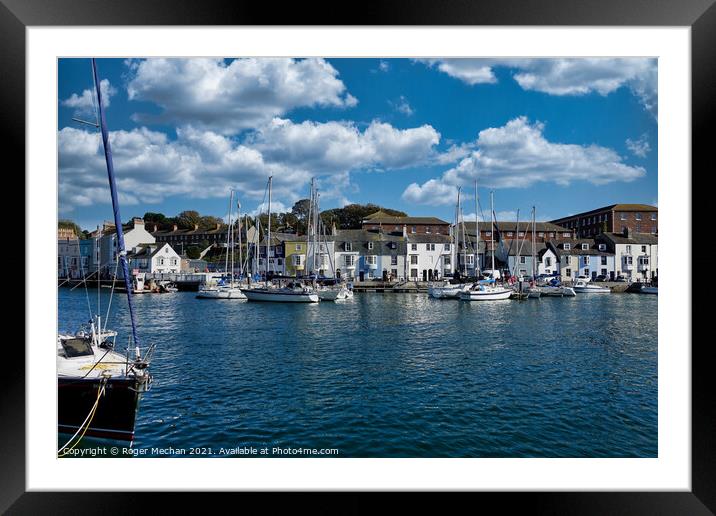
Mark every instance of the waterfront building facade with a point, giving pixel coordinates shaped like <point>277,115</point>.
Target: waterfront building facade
<point>135,235</point>
<point>68,256</point>
<point>615,218</point>
<point>153,258</point>
<point>181,239</point>
<point>636,255</point>
<point>585,257</point>
<point>430,257</point>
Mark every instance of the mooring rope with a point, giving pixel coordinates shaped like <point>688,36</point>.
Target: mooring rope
<point>86,423</point>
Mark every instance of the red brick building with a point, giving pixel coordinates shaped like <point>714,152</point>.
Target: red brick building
<point>616,218</point>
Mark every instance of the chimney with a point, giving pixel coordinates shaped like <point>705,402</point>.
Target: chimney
<point>334,230</point>
<point>136,221</point>
<point>174,227</point>
<point>218,226</point>
<point>196,227</point>
<point>405,231</point>
<point>627,232</point>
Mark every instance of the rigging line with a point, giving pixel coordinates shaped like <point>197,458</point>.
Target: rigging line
<point>84,279</point>
<point>88,420</point>
<point>111,293</point>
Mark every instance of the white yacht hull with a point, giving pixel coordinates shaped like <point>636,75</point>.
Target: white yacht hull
<point>486,295</point>
<point>223,293</point>
<point>279,296</point>
<point>592,289</point>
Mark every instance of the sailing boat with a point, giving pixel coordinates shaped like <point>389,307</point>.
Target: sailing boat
<point>294,292</point>
<point>487,289</point>
<point>98,387</point>
<point>448,290</point>
<point>230,291</point>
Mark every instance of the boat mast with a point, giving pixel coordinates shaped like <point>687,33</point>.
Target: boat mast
<point>492,231</point>
<point>238,219</point>
<point>115,203</point>
<point>534,242</point>
<point>228,235</point>
<point>268,241</point>
<point>477,234</point>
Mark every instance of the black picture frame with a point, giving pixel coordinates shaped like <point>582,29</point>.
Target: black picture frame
<point>700,15</point>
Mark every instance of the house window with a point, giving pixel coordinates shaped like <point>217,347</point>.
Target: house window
<point>628,249</point>
<point>509,234</point>
<point>488,233</point>
<point>446,259</point>
<point>523,259</point>
<point>638,228</point>
<point>470,259</point>
<point>430,247</point>
<point>586,260</point>
<point>521,234</point>
<point>299,247</point>
<point>653,216</point>
<point>604,260</point>
<point>567,247</point>
<point>548,261</point>
<point>412,229</point>
<point>413,273</point>
<point>447,247</point>
<point>638,216</point>
<point>540,234</point>
<point>427,229</point>
<point>370,245</point>
<point>371,260</point>
<point>394,260</point>
<point>568,272</point>
<point>622,216</point>
<point>653,230</point>
<point>643,249</point>
<point>279,261</point>
<point>604,272</point>
<point>551,235</point>
<point>349,246</point>
<point>413,247</point>
<point>413,259</point>
<point>602,247</point>
<point>585,247</point>
<point>349,260</point>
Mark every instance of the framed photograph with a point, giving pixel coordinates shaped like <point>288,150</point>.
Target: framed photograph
<point>419,253</point>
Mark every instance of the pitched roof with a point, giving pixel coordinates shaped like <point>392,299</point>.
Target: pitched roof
<point>575,247</point>
<point>633,238</point>
<point>380,217</point>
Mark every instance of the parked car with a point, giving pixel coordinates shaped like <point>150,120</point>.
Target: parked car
<point>584,278</point>
<point>601,277</point>
<point>620,279</point>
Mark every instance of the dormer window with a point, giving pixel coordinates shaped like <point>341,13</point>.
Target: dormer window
<point>349,246</point>
<point>370,245</point>
<point>602,247</point>
<point>585,247</point>
<point>567,247</point>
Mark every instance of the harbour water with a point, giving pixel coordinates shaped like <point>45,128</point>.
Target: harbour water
<point>395,375</point>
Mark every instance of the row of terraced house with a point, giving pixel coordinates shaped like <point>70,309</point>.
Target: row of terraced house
<point>603,242</point>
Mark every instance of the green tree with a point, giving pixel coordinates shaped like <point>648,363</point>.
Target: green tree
<point>193,252</point>
<point>188,219</point>
<point>69,224</point>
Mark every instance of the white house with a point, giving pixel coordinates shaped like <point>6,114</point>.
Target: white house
<point>134,235</point>
<point>430,257</point>
<point>635,254</point>
<point>153,258</point>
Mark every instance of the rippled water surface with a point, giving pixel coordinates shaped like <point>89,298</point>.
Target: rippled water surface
<point>397,375</point>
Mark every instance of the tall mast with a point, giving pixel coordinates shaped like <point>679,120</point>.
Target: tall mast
<point>477,234</point>
<point>228,235</point>
<point>492,230</point>
<point>309,224</point>
<point>238,219</point>
<point>534,242</point>
<point>268,241</point>
<point>115,203</point>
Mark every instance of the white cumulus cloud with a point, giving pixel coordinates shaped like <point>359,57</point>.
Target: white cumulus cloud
<point>86,102</point>
<point>563,76</point>
<point>517,155</point>
<point>230,97</point>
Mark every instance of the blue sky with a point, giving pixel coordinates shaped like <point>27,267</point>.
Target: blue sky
<point>565,135</point>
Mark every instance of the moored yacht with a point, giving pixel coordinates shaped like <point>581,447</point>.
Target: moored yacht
<point>585,287</point>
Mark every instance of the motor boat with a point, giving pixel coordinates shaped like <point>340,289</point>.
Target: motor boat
<point>585,287</point>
